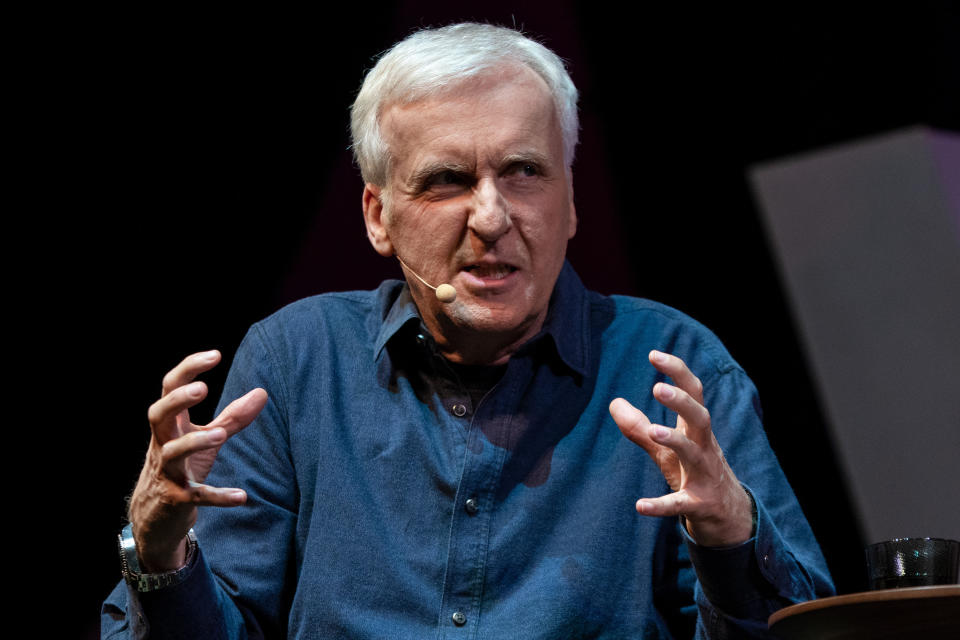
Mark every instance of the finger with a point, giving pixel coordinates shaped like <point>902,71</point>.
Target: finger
<point>189,368</point>
<point>672,504</point>
<point>693,413</point>
<point>163,413</point>
<point>688,452</point>
<point>175,451</point>
<point>203,495</point>
<point>240,412</point>
<point>677,369</point>
<point>633,423</point>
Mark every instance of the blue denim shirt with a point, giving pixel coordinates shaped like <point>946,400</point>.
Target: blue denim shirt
<point>384,504</point>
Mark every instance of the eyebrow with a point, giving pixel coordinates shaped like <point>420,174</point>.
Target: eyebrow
<point>533,157</point>
<point>421,176</point>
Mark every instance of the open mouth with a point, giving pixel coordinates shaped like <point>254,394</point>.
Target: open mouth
<point>490,271</point>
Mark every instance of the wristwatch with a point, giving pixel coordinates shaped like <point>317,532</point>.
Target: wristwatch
<point>143,582</point>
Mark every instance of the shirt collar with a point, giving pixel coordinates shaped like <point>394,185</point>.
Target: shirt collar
<point>567,321</point>
<point>397,310</point>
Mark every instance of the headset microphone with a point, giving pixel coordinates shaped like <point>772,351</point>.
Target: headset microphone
<point>445,292</point>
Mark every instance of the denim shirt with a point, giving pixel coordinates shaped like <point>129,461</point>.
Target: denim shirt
<point>382,503</point>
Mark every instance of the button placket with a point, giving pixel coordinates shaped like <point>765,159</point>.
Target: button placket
<point>470,525</point>
<point>469,536</point>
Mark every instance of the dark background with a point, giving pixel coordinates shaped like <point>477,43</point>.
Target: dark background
<point>200,178</point>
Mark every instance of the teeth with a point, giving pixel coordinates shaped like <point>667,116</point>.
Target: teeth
<point>494,272</point>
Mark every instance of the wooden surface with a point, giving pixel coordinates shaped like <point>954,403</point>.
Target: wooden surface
<point>927,613</point>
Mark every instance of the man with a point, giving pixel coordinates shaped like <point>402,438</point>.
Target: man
<point>416,467</point>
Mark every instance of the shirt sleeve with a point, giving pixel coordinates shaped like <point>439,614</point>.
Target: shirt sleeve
<point>194,608</point>
<point>739,587</point>
<point>235,588</point>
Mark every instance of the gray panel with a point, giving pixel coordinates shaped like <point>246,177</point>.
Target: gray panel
<point>868,239</point>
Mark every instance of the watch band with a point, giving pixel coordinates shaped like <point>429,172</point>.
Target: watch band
<point>144,582</point>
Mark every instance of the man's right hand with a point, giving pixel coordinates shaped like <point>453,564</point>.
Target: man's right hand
<point>164,503</point>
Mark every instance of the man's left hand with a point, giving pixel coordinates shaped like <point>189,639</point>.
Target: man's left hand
<point>706,493</point>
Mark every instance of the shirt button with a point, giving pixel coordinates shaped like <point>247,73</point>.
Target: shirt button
<point>471,506</point>
<point>459,410</point>
<point>459,619</point>
<point>421,339</point>
<point>766,560</point>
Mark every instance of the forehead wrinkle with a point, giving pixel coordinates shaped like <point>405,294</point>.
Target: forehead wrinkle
<point>532,142</point>
<point>497,147</point>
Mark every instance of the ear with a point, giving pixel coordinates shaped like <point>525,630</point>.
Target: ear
<point>572,215</point>
<point>373,213</point>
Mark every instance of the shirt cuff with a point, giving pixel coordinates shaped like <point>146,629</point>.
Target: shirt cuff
<point>185,610</point>
<point>732,578</point>
<point>124,613</point>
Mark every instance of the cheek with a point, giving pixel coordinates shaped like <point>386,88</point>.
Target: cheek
<point>429,231</point>
<point>546,219</point>
<point>546,239</point>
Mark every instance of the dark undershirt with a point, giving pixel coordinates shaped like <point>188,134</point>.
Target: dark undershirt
<point>477,379</point>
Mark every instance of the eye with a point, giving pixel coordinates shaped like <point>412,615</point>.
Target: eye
<point>443,178</point>
<point>525,169</point>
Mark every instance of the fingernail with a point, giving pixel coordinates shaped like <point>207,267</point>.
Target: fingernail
<point>643,505</point>
<point>216,435</point>
<point>665,391</point>
<point>661,433</point>
<point>659,357</point>
<point>237,496</point>
<point>210,355</point>
<point>195,389</point>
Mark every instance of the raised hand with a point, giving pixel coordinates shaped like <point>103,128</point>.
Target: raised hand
<point>706,492</point>
<point>164,503</point>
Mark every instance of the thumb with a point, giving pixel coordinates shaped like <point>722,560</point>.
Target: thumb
<point>633,423</point>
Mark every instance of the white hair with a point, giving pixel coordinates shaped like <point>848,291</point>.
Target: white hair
<point>433,61</point>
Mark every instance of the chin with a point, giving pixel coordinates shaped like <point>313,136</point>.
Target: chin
<point>480,315</point>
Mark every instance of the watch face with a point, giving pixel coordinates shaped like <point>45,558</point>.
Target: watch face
<point>128,553</point>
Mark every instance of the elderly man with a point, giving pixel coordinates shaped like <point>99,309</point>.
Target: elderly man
<point>440,458</point>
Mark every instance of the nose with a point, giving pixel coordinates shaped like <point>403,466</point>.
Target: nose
<point>490,217</point>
